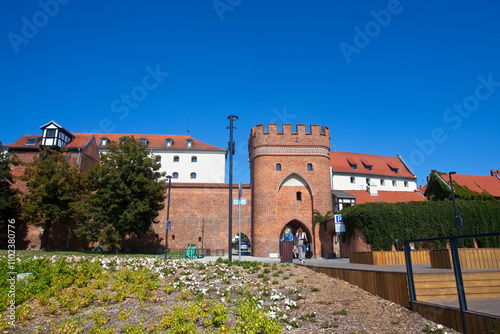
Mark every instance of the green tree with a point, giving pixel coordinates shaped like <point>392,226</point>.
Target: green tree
<point>54,186</point>
<point>9,197</point>
<point>126,194</point>
<point>319,218</point>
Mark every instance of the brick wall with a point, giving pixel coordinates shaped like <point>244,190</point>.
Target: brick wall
<point>193,207</point>
<point>274,199</point>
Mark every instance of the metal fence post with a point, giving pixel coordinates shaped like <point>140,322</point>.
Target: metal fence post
<point>459,281</point>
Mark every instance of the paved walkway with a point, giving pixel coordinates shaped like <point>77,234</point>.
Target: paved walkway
<point>489,306</point>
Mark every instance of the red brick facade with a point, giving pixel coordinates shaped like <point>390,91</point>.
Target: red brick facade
<point>290,177</point>
<point>199,214</point>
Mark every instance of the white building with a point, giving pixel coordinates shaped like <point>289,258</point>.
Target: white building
<point>183,157</point>
<point>360,178</point>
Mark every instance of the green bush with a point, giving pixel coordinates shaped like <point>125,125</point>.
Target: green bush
<point>382,223</point>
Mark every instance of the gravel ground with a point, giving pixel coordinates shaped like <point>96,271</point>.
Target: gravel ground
<point>325,305</point>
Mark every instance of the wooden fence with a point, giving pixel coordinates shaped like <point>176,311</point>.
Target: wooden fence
<point>470,258</point>
<point>389,258</point>
<point>388,285</point>
<point>476,323</point>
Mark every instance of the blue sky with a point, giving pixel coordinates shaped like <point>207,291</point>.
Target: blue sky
<point>419,78</point>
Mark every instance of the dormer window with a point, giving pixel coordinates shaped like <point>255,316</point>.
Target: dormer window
<point>189,143</point>
<point>367,165</point>
<point>353,164</point>
<point>55,136</point>
<point>104,141</point>
<point>169,142</point>
<point>31,141</point>
<point>394,169</point>
<point>144,142</point>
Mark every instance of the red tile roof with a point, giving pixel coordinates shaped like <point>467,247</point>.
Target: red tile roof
<point>154,141</point>
<point>381,165</point>
<point>477,183</point>
<point>363,196</point>
<point>21,142</point>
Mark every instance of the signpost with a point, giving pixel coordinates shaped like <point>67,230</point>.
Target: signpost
<point>239,201</point>
<point>339,224</point>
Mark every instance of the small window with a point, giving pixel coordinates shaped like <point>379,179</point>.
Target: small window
<point>158,158</point>
<point>278,167</point>
<point>382,182</point>
<point>189,143</point>
<point>309,167</point>
<point>353,179</point>
<point>173,237</point>
<point>193,175</point>
<point>104,141</point>
<point>51,133</point>
<point>369,168</point>
<point>406,183</point>
<point>31,141</point>
<point>393,183</point>
<point>199,239</point>
<point>175,175</point>
<point>299,196</point>
<point>169,142</point>
<point>176,158</point>
<point>144,142</point>
<point>194,159</point>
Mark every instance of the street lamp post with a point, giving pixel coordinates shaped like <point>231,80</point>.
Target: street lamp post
<point>458,219</point>
<point>169,177</point>
<point>231,118</point>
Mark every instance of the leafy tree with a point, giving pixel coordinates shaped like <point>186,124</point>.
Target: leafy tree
<point>54,185</point>
<point>319,218</point>
<point>126,194</point>
<point>9,197</point>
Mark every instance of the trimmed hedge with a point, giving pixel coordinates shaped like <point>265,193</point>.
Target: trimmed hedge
<point>382,223</point>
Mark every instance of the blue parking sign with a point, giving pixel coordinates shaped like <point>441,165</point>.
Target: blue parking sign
<point>338,219</point>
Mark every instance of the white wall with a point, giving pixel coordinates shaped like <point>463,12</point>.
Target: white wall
<point>209,168</point>
<point>343,182</point>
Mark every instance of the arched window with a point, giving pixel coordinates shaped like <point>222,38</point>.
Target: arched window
<point>176,158</point>
<point>309,167</point>
<point>278,167</point>
<point>175,175</point>
<point>194,159</point>
<point>299,196</point>
<point>193,175</point>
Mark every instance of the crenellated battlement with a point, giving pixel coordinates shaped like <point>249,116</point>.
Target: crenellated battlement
<point>316,136</point>
<point>287,129</point>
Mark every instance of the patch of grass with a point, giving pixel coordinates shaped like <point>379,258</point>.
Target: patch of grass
<point>329,324</point>
<point>341,312</point>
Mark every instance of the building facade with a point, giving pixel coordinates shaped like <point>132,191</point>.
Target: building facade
<point>293,174</point>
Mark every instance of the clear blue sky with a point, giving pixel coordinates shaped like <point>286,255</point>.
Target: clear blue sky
<point>384,76</point>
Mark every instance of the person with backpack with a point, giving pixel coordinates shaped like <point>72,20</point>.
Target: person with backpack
<point>301,244</point>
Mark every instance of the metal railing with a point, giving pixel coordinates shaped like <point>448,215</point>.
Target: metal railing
<point>456,267</point>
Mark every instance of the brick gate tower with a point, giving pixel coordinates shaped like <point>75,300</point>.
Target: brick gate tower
<point>290,177</point>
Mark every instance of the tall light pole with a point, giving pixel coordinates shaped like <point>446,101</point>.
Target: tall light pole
<point>169,177</point>
<point>231,149</point>
<point>458,219</point>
